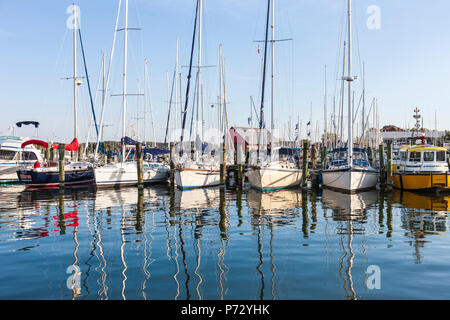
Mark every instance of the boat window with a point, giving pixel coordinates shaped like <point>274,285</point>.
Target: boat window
<point>7,155</point>
<point>414,156</point>
<point>403,156</point>
<point>339,155</point>
<point>27,155</point>
<point>440,156</point>
<point>428,156</point>
<point>359,155</point>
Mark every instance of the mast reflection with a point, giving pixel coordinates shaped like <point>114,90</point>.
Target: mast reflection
<point>350,211</point>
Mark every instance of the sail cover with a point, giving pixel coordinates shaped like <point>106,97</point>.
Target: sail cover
<point>73,146</point>
<point>129,142</point>
<point>155,151</point>
<point>35,142</point>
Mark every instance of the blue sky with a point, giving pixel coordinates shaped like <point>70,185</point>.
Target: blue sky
<point>407,59</point>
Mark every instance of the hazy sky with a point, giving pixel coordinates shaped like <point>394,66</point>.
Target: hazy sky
<point>406,53</point>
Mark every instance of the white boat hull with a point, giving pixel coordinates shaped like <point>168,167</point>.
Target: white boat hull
<point>187,178</point>
<point>8,173</point>
<point>270,178</point>
<point>350,180</point>
<point>126,174</point>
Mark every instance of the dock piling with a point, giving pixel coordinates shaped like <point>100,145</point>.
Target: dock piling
<point>61,162</point>
<point>172,165</point>
<point>139,160</point>
<point>305,147</point>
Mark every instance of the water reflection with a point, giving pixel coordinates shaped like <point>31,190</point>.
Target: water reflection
<point>214,243</point>
<point>422,215</point>
<point>350,211</point>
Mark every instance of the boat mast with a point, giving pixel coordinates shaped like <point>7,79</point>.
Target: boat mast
<point>341,111</point>
<point>105,96</point>
<point>349,79</point>
<point>124,98</point>
<point>75,80</point>
<point>272,26</point>
<point>363,121</point>
<point>325,136</point>
<point>261,118</point>
<point>199,87</point>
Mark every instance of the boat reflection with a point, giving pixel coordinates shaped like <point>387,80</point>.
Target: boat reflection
<point>350,212</point>
<point>422,215</point>
<point>429,201</point>
<point>276,207</point>
<point>349,206</point>
<point>195,199</point>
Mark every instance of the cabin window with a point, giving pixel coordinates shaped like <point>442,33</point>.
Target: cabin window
<point>403,156</point>
<point>440,156</point>
<point>414,156</point>
<point>340,155</point>
<point>7,155</point>
<point>27,155</point>
<point>428,156</point>
<point>359,155</point>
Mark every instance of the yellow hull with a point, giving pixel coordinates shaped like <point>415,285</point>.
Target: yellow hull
<point>421,181</point>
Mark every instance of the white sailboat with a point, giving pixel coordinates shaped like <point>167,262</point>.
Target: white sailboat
<point>272,175</point>
<point>349,169</point>
<point>125,172</point>
<point>197,174</point>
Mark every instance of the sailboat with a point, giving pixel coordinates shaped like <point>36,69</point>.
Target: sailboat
<point>196,174</point>
<point>125,172</point>
<point>46,174</point>
<point>349,169</point>
<point>271,175</point>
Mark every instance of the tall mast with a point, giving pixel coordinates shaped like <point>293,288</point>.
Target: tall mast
<point>349,79</point>
<point>145,102</point>
<point>272,26</point>
<point>363,116</point>
<point>124,107</point>
<point>341,118</point>
<point>176,92</point>
<point>75,80</point>
<point>199,87</point>
<point>325,136</point>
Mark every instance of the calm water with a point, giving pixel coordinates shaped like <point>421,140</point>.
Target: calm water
<point>217,244</point>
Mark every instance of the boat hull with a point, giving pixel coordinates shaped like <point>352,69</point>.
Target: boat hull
<point>8,173</point>
<point>269,179</point>
<point>126,174</point>
<point>187,178</point>
<point>50,179</point>
<point>350,180</point>
<point>423,181</point>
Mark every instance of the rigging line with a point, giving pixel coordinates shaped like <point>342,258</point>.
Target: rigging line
<point>107,79</point>
<point>87,79</point>
<point>170,102</point>
<point>189,73</point>
<point>338,64</point>
<point>193,108</point>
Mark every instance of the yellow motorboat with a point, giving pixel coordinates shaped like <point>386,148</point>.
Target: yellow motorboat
<point>422,167</point>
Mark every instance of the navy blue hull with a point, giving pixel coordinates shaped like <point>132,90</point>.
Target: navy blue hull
<point>36,179</point>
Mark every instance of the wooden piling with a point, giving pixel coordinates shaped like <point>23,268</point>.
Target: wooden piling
<point>381,164</point>
<point>389,176</point>
<point>305,147</point>
<point>139,160</point>
<point>61,161</point>
<point>223,165</point>
<point>172,165</point>
<point>313,156</point>
<point>240,165</point>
